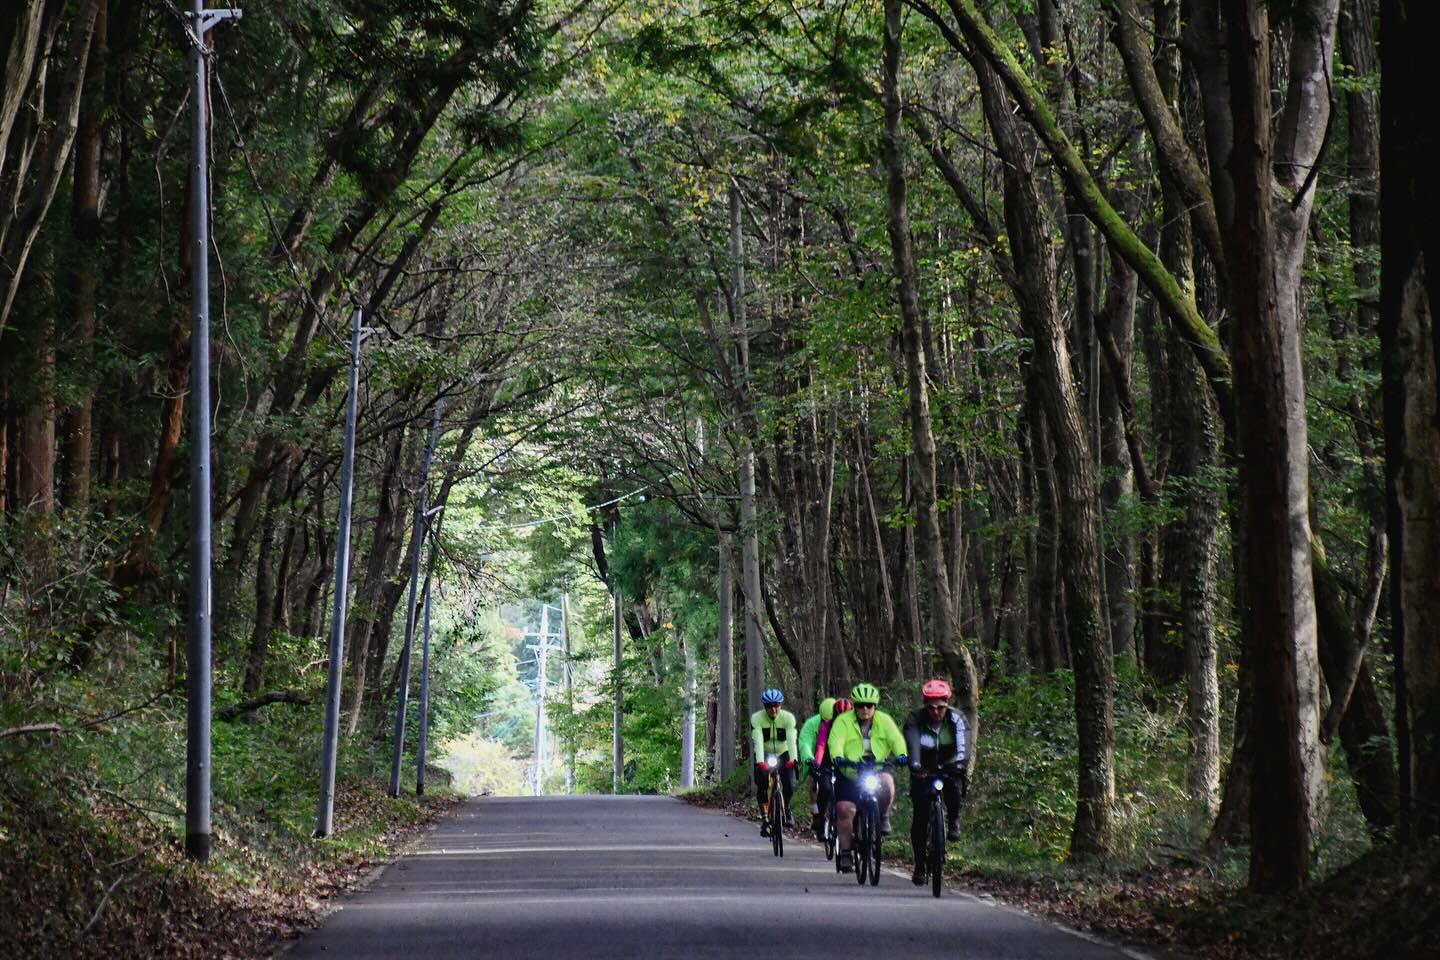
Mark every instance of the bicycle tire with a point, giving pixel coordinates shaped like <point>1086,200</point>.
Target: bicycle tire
<point>777,821</point>
<point>832,834</point>
<point>937,845</point>
<point>876,839</point>
<point>860,847</point>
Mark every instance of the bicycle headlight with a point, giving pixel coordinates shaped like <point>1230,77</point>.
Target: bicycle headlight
<point>871,782</point>
<point>939,784</point>
<point>772,761</point>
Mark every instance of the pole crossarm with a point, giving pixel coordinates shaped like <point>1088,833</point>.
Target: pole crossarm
<point>209,20</point>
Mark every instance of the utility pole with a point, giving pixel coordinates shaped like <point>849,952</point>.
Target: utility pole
<point>197,683</point>
<point>725,736</point>
<point>567,680</point>
<point>417,537</point>
<point>334,677</point>
<point>538,785</point>
<point>687,729</point>
<point>618,732</point>
<point>425,656</point>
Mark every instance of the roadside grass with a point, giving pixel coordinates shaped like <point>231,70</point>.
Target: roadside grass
<point>92,829</point>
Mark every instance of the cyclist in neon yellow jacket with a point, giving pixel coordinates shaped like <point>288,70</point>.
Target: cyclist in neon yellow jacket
<point>866,732</point>
<point>772,734</point>
<point>809,741</point>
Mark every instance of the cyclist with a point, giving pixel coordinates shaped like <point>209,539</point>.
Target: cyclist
<point>941,754</point>
<point>772,733</point>
<point>809,735</point>
<point>819,776</point>
<point>865,733</point>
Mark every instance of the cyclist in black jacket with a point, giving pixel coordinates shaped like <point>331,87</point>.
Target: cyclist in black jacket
<point>935,735</point>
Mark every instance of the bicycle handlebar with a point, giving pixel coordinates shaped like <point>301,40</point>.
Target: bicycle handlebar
<point>879,765</point>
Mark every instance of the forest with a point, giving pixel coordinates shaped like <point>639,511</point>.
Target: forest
<point>1067,349</point>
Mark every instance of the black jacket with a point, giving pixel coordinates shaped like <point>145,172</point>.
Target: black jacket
<point>918,720</point>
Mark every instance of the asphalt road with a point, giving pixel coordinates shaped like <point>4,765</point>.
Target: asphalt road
<point>610,877</point>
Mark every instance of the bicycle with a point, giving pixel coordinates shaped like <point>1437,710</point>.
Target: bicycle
<point>775,808</point>
<point>935,845</point>
<point>831,837</point>
<point>865,837</point>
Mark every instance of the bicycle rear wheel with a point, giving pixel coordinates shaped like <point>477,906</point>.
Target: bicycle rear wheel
<point>937,845</point>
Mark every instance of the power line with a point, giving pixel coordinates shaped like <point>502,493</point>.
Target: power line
<point>582,510</point>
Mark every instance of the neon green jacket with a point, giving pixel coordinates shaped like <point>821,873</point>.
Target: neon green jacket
<point>809,735</point>
<point>773,736</point>
<point>846,740</point>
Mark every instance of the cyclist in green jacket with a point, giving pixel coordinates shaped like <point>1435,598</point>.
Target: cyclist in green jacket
<point>865,733</point>
<point>809,734</point>
<point>772,734</point>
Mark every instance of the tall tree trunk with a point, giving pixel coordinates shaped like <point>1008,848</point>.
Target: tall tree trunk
<point>1279,612</point>
<point>749,520</point>
<point>85,228</point>
<point>266,582</point>
<point>924,475</point>
<point>1044,634</point>
<point>35,473</point>
<point>1075,482</point>
<point>1118,325</point>
<point>1409,301</point>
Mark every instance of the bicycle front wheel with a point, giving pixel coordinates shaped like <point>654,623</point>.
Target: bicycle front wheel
<point>876,839</point>
<point>861,845</point>
<point>777,822</point>
<point>937,845</point>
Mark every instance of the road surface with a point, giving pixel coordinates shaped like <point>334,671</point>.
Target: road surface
<point>602,878</point>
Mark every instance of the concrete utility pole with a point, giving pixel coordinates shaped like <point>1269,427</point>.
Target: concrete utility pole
<point>687,729</point>
<point>567,679</point>
<point>197,720</point>
<point>618,731</point>
<point>725,735</point>
<point>417,537</point>
<point>540,678</point>
<point>425,659</point>
<point>335,674</point>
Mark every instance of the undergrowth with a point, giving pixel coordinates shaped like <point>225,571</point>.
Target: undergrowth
<point>92,827</point>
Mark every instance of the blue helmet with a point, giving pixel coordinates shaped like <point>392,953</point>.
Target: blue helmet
<point>772,696</point>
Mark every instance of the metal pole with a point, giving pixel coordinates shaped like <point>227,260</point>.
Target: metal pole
<point>725,719</point>
<point>567,678</point>
<point>425,669</point>
<point>618,732</point>
<point>197,683</point>
<point>687,729</point>
<point>335,675</point>
<point>416,537</point>
<point>538,780</point>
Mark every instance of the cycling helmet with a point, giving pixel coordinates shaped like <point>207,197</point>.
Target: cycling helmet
<point>935,690</point>
<point>772,695</point>
<point>827,708</point>
<point>843,705</point>
<point>865,693</point>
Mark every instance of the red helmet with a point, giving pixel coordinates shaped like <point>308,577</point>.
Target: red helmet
<point>843,705</point>
<point>935,690</point>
